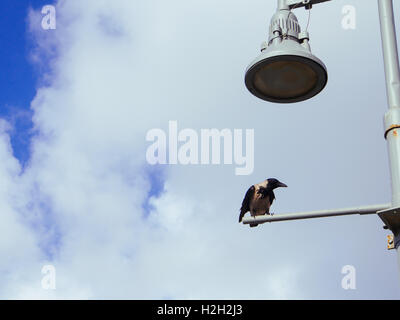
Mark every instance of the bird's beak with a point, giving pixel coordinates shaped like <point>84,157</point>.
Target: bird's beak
<point>282,185</point>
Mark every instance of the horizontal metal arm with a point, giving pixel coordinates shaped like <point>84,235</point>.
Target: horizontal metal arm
<point>300,3</point>
<point>316,214</point>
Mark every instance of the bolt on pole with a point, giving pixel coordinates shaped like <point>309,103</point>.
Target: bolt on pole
<point>392,117</point>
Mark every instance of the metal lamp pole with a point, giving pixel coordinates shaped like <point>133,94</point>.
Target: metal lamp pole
<point>392,117</point>
<point>389,213</point>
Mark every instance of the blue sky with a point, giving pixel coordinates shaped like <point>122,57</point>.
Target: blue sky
<point>18,79</point>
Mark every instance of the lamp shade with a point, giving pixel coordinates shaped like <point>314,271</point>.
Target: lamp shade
<point>286,73</point>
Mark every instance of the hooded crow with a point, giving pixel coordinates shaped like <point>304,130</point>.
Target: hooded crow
<point>259,198</point>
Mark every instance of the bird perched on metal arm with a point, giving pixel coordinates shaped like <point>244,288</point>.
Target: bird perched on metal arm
<point>259,198</point>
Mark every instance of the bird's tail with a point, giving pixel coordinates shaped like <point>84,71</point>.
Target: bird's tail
<point>242,213</point>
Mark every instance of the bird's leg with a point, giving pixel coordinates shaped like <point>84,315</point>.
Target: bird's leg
<point>271,213</point>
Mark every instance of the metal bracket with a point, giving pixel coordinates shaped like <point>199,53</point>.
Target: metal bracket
<point>391,219</point>
<point>303,3</point>
<point>317,214</point>
<point>390,242</point>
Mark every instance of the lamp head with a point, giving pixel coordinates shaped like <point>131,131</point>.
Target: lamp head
<point>286,71</point>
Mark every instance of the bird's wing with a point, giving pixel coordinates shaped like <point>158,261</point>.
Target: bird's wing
<point>271,197</point>
<point>246,202</point>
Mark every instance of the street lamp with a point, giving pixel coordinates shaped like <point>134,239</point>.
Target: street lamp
<point>286,71</point>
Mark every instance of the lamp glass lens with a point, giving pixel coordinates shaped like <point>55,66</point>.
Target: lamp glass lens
<point>285,79</point>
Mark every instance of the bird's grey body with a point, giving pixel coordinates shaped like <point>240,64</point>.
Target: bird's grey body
<point>259,198</point>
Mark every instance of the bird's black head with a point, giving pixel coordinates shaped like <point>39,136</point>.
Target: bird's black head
<point>275,183</point>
